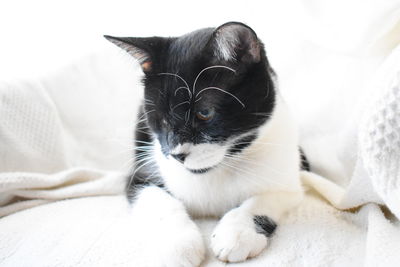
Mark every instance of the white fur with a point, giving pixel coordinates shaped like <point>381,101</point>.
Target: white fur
<point>264,180</point>
<point>175,236</point>
<point>271,163</point>
<point>226,45</point>
<point>234,238</point>
<point>201,156</point>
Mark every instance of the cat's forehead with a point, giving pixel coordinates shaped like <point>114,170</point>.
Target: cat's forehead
<point>193,42</point>
<point>184,52</point>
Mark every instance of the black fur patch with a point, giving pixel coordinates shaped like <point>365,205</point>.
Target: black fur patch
<point>264,225</point>
<point>139,180</point>
<point>200,171</point>
<point>305,165</point>
<point>242,144</point>
<point>224,70</point>
<point>239,89</point>
<point>142,174</point>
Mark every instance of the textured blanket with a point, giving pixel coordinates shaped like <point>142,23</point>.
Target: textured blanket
<point>80,116</point>
<point>68,137</point>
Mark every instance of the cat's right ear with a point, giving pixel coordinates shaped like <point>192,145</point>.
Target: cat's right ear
<point>235,41</point>
<point>140,48</point>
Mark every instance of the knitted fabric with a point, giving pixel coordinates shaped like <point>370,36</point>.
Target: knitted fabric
<point>380,134</point>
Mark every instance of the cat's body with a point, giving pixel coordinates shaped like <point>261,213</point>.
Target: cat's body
<point>269,164</point>
<point>214,138</point>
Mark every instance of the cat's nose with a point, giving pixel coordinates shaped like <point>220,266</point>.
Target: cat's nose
<point>180,157</point>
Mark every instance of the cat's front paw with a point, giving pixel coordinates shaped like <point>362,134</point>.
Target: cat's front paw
<point>184,249</point>
<point>236,239</point>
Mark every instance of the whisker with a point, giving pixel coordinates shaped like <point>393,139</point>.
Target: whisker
<point>260,143</point>
<point>222,90</point>
<point>144,142</point>
<point>175,75</point>
<point>208,68</point>
<point>148,102</point>
<point>138,168</point>
<point>236,169</point>
<point>141,118</point>
<point>187,115</point>
<point>142,149</point>
<point>142,128</point>
<point>180,104</point>
<point>240,159</point>
<point>262,114</point>
<point>141,131</point>
<point>248,172</point>
<point>183,87</point>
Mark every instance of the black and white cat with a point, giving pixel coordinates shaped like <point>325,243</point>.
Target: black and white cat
<point>214,139</point>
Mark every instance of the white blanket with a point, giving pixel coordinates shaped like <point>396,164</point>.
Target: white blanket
<point>83,115</point>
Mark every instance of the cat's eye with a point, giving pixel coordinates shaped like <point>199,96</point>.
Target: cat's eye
<point>205,114</point>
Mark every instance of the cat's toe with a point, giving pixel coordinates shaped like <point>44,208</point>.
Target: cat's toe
<point>237,243</point>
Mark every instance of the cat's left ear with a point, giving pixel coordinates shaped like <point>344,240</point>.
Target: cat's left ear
<point>235,41</point>
<point>142,49</point>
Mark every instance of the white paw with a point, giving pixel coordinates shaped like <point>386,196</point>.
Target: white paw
<point>235,240</point>
<point>183,249</point>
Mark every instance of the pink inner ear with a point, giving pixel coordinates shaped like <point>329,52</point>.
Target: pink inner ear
<point>146,66</point>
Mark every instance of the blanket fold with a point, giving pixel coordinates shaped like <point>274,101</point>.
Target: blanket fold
<point>83,115</point>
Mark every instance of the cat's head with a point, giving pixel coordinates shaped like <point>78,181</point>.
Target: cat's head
<point>206,93</point>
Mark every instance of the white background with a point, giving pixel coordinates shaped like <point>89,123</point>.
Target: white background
<point>323,51</point>
<point>40,35</point>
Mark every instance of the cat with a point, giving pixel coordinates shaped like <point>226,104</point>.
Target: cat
<point>214,138</point>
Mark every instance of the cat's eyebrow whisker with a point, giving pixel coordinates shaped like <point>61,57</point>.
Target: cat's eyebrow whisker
<point>222,90</point>
<point>184,87</point>
<point>208,68</point>
<point>175,75</point>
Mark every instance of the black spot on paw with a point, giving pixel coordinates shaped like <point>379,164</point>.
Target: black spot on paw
<point>264,225</point>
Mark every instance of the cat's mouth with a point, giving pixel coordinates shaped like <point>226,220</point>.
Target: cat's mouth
<point>200,171</point>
